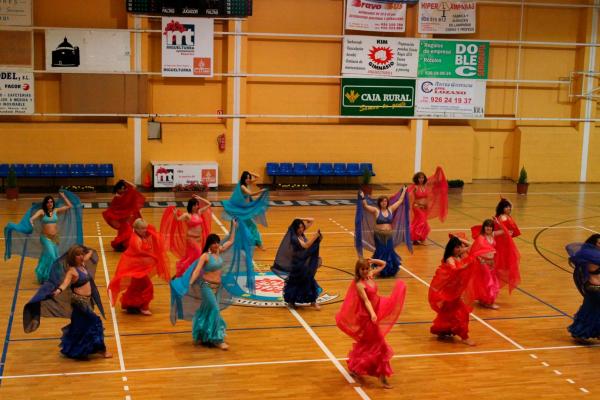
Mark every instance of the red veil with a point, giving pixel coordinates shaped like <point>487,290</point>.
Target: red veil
<point>121,213</point>
<point>141,260</point>
<point>507,255</point>
<point>436,190</point>
<point>174,232</point>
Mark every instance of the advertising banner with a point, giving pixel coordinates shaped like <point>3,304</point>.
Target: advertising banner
<point>170,174</point>
<point>443,16</point>
<point>187,47</point>
<point>380,56</point>
<point>15,12</point>
<point>16,92</point>
<point>450,98</point>
<point>376,15</point>
<point>453,59</point>
<point>378,97</point>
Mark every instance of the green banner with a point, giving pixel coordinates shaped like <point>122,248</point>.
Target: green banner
<point>378,97</point>
<point>453,59</point>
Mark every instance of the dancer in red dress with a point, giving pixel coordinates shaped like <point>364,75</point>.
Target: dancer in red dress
<point>123,210</point>
<point>184,233</point>
<point>507,256</point>
<point>145,256</point>
<point>486,284</point>
<point>367,317</point>
<point>428,199</point>
<point>451,294</point>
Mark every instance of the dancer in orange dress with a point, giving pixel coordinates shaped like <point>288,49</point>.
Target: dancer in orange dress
<point>451,293</point>
<point>507,255</point>
<point>367,318</point>
<point>428,199</point>
<point>123,210</point>
<point>184,233</point>
<point>145,256</point>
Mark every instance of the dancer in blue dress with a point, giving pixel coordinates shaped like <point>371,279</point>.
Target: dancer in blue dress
<point>198,295</point>
<point>381,226</point>
<point>48,220</point>
<point>71,293</point>
<point>246,208</point>
<point>297,261</point>
<point>585,258</point>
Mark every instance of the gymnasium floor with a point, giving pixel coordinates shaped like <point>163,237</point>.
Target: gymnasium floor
<point>523,350</point>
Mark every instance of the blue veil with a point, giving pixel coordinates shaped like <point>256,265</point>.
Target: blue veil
<point>43,304</point>
<point>364,224</point>
<point>238,207</point>
<point>580,256</point>
<point>69,228</point>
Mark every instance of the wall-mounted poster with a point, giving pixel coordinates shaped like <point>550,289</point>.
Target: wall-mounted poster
<point>15,12</point>
<point>380,56</point>
<point>378,97</point>
<point>453,59</point>
<point>16,92</point>
<point>74,50</point>
<point>450,98</point>
<point>376,15</point>
<point>187,47</point>
<point>447,16</point>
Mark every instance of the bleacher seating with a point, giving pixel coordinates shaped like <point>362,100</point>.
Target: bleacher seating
<point>319,170</point>
<point>58,171</point>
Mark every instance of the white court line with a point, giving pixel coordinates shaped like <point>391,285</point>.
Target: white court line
<point>588,229</point>
<point>112,309</point>
<point>284,362</point>
<point>505,337</point>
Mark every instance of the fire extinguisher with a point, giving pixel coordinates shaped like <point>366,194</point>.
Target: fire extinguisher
<point>221,142</point>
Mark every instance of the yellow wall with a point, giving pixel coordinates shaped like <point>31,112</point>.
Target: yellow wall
<point>468,150</point>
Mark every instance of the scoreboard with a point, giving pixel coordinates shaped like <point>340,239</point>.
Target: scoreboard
<point>192,8</point>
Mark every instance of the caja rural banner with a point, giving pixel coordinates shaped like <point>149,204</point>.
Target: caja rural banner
<point>376,15</point>
<point>380,56</point>
<point>15,12</point>
<point>87,50</point>
<point>187,47</point>
<point>378,97</point>
<point>450,98</point>
<point>16,92</point>
<point>453,59</point>
<point>443,16</point>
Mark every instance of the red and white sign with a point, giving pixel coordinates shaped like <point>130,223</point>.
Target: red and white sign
<point>447,16</point>
<point>380,56</point>
<point>450,98</point>
<point>168,174</point>
<point>375,16</point>
<point>187,47</point>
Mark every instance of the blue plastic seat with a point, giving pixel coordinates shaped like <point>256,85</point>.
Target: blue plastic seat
<point>286,169</point>
<point>272,169</point>
<point>300,169</point>
<point>33,170</point>
<point>353,169</point>
<point>3,170</point>
<point>19,169</point>
<point>76,170</point>
<point>106,170</point>
<point>48,170</point>
<point>312,169</point>
<point>368,166</point>
<point>326,169</point>
<point>61,170</point>
<point>90,170</point>
<point>339,169</point>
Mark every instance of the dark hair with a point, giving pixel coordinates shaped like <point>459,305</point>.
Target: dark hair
<point>501,206</point>
<point>119,185</point>
<point>416,177</point>
<point>210,240</point>
<point>593,239</point>
<point>245,175</point>
<point>191,203</point>
<point>360,263</point>
<point>45,204</point>
<point>296,224</point>
<point>452,244</point>
<point>72,253</point>
<point>487,222</point>
<point>380,199</point>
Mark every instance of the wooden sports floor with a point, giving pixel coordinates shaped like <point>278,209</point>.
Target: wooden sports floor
<point>523,349</point>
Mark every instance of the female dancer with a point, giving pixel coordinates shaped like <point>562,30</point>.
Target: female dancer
<point>367,317</point>
<point>585,259</point>
<point>429,199</point>
<point>449,294</point>
<point>145,256</point>
<point>485,279</point>
<point>71,293</point>
<point>382,227</point>
<point>247,209</point>
<point>196,295</point>
<point>297,261</point>
<point>62,217</point>
<point>123,210</point>
<point>507,255</point>
<point>184,234</point>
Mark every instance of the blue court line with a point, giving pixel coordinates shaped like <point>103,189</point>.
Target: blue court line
<point>260,328</point>
<point>12,314</point>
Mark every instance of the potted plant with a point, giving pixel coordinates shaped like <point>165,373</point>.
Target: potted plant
<point>295,190</point>
<point>191,188</point>
<point>455,185</point>
<point>12,191</point>
<point>365,182</point>
<point>84,192</point>
<point>522,184</point>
